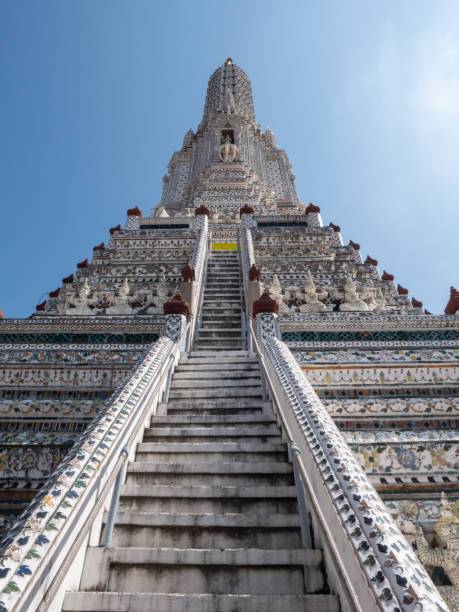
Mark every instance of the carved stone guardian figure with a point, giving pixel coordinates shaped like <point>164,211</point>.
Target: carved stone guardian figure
<point>227,151</point>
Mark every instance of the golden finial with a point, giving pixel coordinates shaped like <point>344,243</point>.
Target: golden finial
<point>229,61</point>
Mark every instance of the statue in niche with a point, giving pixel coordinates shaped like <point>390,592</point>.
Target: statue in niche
<point>311,299</point>
<point>275,291</point>
<point>227,150</point>
<point>352,302</point>
<point>120,301</point>
<point>368,296</point>
<point>158,297</point>
<point>230,102</point>
<point>79,303</point>
<point>447,527</point>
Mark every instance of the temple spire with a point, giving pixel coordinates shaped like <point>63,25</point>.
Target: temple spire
<point>229,89</point>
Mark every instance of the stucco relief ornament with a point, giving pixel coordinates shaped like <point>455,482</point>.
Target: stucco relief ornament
<point>228,151</point>
<point>230,102</point>
<point>79,303</point>
<point>119,303</point>
<point>312,302</point>
<point>275,291</point>
<point>447,528</point>
<point>351,298</point>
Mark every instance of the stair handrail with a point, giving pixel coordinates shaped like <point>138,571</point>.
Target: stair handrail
<point>247,259</point>
<point>375,566</point>
<point>43,543</point>
<point>199,262</point>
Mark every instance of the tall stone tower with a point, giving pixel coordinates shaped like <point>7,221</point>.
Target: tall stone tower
<point>227,408</point>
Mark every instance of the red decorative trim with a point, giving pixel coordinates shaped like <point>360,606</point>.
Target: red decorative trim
<point>401,290</point>
<point>354,245</point>
<point>371,261</point>
<point>387,277</point>
<point>202,210</point>
<point>416,303</point>
<point>83,264</point>
<point>254,273</point>
<point>134,212</point>
<point>41,306</point>
<point>177,305</point>
<point>311,208</point>
<point>54,294</point>
<point>265,303</point>
<point>453,305</point>
<point>188,272</point>
<point>335,228</point>
<point>99,247</point>
<point>68,279</point>
<point>112,230</point>
<point>246,210</point>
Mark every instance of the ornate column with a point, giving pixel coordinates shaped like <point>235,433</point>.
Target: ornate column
<point>177,313</point>
<point>133,218</point>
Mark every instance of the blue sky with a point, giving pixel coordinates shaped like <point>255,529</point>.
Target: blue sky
<point>96,96</point>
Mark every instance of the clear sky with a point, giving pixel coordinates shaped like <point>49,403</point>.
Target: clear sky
<point>96,95</point>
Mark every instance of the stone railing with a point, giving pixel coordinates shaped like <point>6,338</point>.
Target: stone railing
<point>198,259</point>
<point>247,254</point>
<point>369,563</point>
<point>42,555</point>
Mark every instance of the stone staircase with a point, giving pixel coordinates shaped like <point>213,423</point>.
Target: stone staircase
<point>208,518</point>
<point>220,327</point>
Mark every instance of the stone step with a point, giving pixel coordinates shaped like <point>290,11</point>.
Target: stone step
<point>226,305</point>
<point>209,382</point>
<point>219,344</point>
<point>206,531</point>
<point>237,357</point>
<point>219,332</point>
<point>154,452</point>
<point>196,373</point>
<point>246,447</point>
<point>97,601</point>
<point>261,500</point>
<point>247,570</point>
<point>210,421</point>
<point>222,309</point>
<point>229,431</point>
<point>148,473</point>
<point>216,320</point>
<point>217,391</point>
<point>219,403</point>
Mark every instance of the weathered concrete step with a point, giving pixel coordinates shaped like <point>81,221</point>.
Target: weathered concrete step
<point>225,321</point>
<point>177,602</point>
<point>219,331</point>
<point>199,374</point>
<point>201,383</point>
<point>216,367</point>
<point>262,500</point>
<point>227,335</point>
<point>205,536</point>
<point>242,430</point>
<point>163,519</point>
<point>218,402</point>
<point>225,392</point>
<point>210,421</point>
<point>200,410</point>
<point>212,302</point>
<point>148,478</point>
<point>237,357</point>
<point>247,570</point>
<point>249,446</point>
<point>211,344</point>
<point>186,456</point>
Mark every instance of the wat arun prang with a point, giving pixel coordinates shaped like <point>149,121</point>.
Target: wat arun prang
<point>385,368</point>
